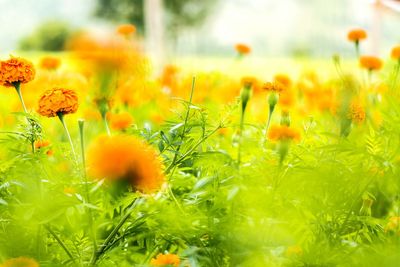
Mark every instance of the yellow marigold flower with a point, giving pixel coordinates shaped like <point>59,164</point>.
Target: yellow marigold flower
<point>249,81</point>
<point>16,70</point>
<point>165,260</point>
<point>275,87</point>
<point>356,113</point>
<point>126,29</point>
<point>283,133</point>
<point>283,79</point>
<point>58,101</point>
<point>20,262</point>
<point>123,157</point>
<point>393,225</point>
<point>396,52</point>
<point>69,190</point>
<point>120,121</point>
<point>356,35</point>
<point>371,62</point>
<point>50,63</point>
<point>242,49</point>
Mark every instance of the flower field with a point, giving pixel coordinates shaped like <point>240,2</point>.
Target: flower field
<point>108,159</point>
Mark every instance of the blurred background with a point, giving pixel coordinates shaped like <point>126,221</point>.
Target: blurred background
<point>207,28</point>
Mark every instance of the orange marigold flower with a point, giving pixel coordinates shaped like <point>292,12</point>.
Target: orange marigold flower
<point>165,260</point>
<point>121,121</point>
<point>20,262</point>
<point>249,81</point>
<point>283,79</point>
<point>283,133</point>
<point>396,52</point>
<point>275,87</point>
<point>371,62</point>
<point>126,29</point>
<point>356,35</point>
<point>356,113</point>
<point>123,157</point>
<point>16,70</point>
<point>242,49</point>
<point>41,143</point>
<point>58,101</point>
<point>50,63</point>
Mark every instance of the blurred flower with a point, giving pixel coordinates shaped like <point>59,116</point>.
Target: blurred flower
<point>393,225</point>
<point>356,113</point>
<point>249,81</point>
<point>283,133</point>
<point>58,101</point>
<point>123,157</point>
<point>50,63</point>
<point>396,52</point>
<point>242,49</point>
<point>20,262</point>
<point>275,87</point>
<point>16,70</point>
<point>165,260</point>
<point>126,29</point>
<point>283,79</point>
<point>371,63</point>
<point>120,121</point>
<point>69,190</point>
<point>356,35</point>
<point>41,143</point>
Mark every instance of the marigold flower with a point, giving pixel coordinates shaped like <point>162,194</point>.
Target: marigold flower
<point>50,63</point>
<point>356,35</point>
<point>393,225</point>
<point>275,87</point>
<point>242,49</point>
<point>165,260</point>
<point>283,133</point>
<point>121,121</point>
<point>41,143</point>
<point>126,29</point>
<point>396,52</point>
<point>249,81</point>
<point>356,113</point>
<point>123,157</point>
<point>20,262</point>
<point>16,70</point>
<point>58,101</point>
<point>283,79</point>
<point>371,62</point>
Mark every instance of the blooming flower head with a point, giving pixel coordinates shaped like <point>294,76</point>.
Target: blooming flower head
<point>16,70</point>
<point>371,63</point>
<point>121,121</point>
<point>396,52</point>
<point>58,101</point>
<point>275,87</point>
<point>242,49</point>
<point>165,260</point>
<point>356,113</point>
<point>126,29</point>
<point>283,79</point>
<point>283,133</point>
<point>124,157</point>
<point>249,81</point>
<point>50,63</point>
<point>20,262</point>
<point>393,225</point>
<point>356,35</point>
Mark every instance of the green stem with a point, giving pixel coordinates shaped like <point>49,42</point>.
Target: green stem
<point>17,86</point>
<point>184,124</point>
<point>60,242</point>
<point>61,117</point>
<point>241,126</point>
<point>106,125</point>
<point>81,124</point>
<point>103,247</point>
<point>271,111</point>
